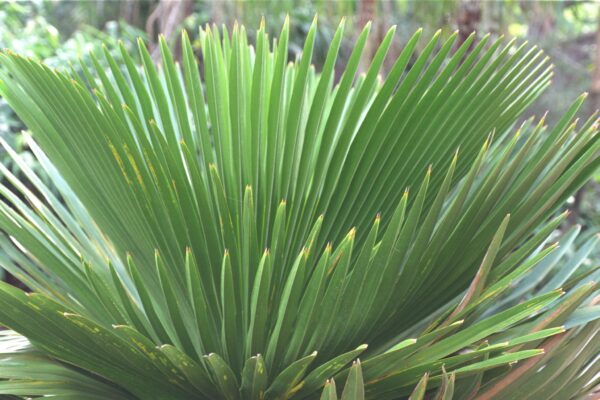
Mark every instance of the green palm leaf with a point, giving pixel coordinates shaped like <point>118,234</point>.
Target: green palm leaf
<point>246,230</point>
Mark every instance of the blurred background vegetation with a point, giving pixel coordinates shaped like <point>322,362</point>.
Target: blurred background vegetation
<point>62,32</point>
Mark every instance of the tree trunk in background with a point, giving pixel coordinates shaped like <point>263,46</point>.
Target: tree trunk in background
<point>216,12</point>
<point>366,11</point>
<point>166,19</point>
<point>469,17</point>
<point>542,18</point>
<point>130,12</point>
<point>594,105</point>
<point>594,101</point>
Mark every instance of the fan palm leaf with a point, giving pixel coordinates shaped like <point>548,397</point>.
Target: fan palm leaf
<point>251,229</point>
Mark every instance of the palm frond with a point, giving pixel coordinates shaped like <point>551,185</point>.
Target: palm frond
<point>251,229</point>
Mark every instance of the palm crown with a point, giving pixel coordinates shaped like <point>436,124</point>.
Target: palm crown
<point>253,229</point>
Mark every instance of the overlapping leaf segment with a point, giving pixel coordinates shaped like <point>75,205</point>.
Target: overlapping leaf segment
<point>216,232</point>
